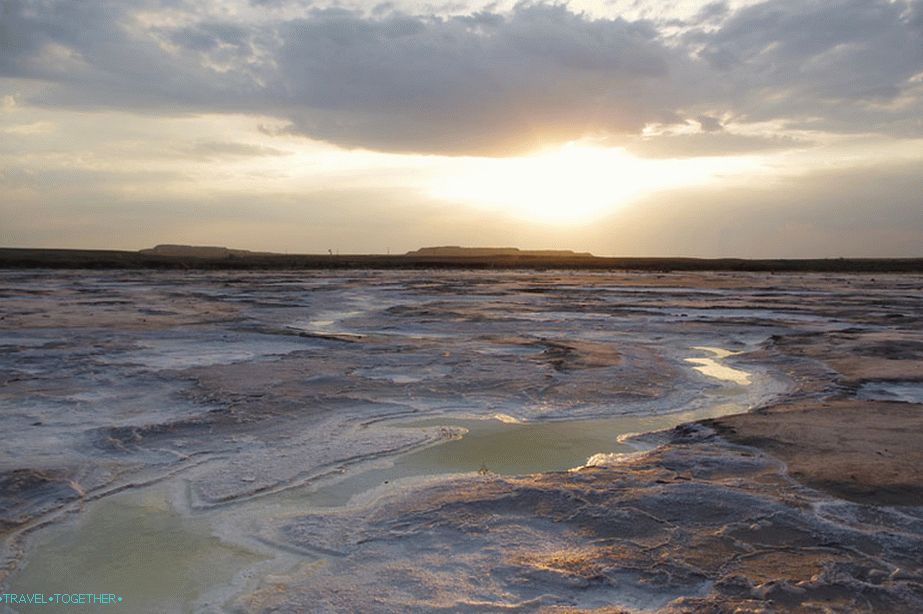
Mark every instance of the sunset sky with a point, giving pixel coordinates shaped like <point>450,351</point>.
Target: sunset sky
<point>622,127</point>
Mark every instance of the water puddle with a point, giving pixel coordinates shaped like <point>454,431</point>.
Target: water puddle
<point>710,367</point>
<point>717,314</point>
<point>172,353</point>
<point>327,323</point>
<point>507,447</point>
<point>906,392</point>
<point>402,375</point>
<point>134,546</point>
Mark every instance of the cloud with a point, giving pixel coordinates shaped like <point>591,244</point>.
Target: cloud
<point>712,11</point>
<point>40,127</point>
<point>227,149</point>
<point>483,83</point>
<point>826,65</point>
<point>488,82</point>
<point>715,143</point>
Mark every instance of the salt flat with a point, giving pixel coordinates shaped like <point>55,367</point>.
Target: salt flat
<point>422,440</point>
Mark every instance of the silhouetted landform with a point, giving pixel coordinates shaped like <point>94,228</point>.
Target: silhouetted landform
<point>454,251</point>
<point>199,251</point>
<point>239,259</point>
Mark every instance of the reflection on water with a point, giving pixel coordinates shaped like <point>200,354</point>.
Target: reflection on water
<point>508,419</point>
<point>710,367</point>
<point>718,352</point>
<point>137,547</point>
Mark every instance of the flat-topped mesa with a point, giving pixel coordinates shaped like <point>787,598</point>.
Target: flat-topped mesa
<point>197,251</point>
<point>455,251</point>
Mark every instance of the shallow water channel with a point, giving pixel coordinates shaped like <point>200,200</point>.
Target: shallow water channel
<point>137,545</point>
<point>501,447</point>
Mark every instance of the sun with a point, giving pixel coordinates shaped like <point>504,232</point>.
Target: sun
<point>572,184</point>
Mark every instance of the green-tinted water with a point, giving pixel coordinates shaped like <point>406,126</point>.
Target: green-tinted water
<point>133,546</point>
<point>508,448</point>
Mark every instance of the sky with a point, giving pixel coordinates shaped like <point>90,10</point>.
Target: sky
<point>777,128</point>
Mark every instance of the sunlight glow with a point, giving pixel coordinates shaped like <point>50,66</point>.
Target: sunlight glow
<point>575,183</point>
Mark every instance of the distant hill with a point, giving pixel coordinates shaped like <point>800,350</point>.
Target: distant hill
<point>455,251</point>
<point>198,251</point>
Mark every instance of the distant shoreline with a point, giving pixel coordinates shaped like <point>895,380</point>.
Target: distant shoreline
<point>31,258</point>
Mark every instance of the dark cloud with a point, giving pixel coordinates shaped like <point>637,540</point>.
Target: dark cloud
<point>487,82</point>
<point>837,65</point>
<point>712,11</point>
<point>915,15</point>
<point>96,55</point>
<point>483,83</point>
<point>709,124</point>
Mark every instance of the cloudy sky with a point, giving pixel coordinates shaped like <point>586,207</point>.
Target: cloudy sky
<point>627,127</point>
